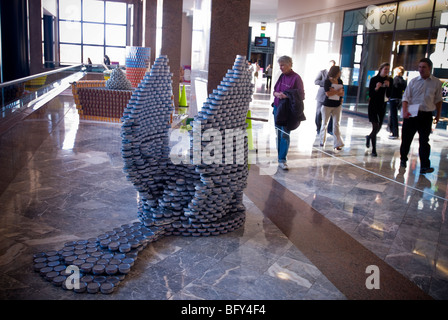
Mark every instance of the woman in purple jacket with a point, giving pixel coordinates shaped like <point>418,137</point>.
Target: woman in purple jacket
<point>289,80</point>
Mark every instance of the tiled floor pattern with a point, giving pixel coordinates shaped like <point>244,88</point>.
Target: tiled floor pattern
<point>71,186</point>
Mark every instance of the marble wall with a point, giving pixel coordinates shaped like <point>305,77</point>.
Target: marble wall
<point>220,32</point>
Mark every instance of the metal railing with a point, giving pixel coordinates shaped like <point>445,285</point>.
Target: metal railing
<point>39,75</point>
<point>20,95</point>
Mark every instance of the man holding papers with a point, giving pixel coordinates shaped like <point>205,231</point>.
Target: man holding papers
<point>421,98</point>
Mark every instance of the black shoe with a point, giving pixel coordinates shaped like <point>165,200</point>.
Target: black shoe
<point>374,154</point>
<point>426,170</point>
<point>403,164</point>
<point>368,141</point>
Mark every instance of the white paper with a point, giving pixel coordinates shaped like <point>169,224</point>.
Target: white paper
<point>336,87</point>
<point>413,109</point>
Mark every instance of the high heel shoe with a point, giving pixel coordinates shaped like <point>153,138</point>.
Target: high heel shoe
<point>368,141</point>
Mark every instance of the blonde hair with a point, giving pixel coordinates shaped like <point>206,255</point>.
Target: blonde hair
<point>399,70</point>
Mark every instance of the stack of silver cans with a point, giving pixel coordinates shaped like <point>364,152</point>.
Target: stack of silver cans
<point>118,81</point>
<point>97,264</point>
<point>200,197</point>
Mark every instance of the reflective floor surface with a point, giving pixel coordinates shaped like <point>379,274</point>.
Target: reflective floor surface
<point>304,227</point>
<point>395,213</point>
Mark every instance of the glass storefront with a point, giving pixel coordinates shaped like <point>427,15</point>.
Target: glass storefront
<point>400,33</point>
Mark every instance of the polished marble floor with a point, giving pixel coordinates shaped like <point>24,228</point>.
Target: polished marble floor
<point>66,183</point>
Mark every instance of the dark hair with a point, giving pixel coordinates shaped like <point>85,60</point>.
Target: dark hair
<point>426,60</point>
<point>334,71</point>
<point>383,65</point>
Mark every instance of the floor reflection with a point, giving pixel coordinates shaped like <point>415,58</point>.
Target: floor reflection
<point>60,176</point>
<point>373,199</point>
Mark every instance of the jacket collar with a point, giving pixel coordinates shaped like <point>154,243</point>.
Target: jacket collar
<point>431,77</point>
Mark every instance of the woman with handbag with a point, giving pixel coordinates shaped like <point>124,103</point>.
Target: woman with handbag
<point>289,80</point>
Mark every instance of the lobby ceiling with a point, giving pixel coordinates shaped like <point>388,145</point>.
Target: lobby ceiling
<point>260,10</point>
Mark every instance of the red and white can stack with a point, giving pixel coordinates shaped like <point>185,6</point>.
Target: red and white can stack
<point>137,64</point>
<point>102,104</point>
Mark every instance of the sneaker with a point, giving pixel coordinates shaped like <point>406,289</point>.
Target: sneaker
<point>426,170</point>
<point>283,165</point>
<point>393,137</point>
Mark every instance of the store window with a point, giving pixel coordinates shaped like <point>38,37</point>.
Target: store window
<point>441,13</point>
<point>440,35</point>
<point>409,45</point>
<point>353,20</point>
<point>414,14</point>
<point>376,50</point>
<point>381,18</point>
<point>400,33</point>
<point>92,29</point>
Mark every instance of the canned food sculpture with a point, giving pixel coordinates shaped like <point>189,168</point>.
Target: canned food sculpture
<point>137,63</point>
<point>198,196</point>
<point>105,102</point>
<point>118,81</point>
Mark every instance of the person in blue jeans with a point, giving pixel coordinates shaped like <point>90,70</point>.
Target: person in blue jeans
<point>288,80</point>
<point>283,142</point>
